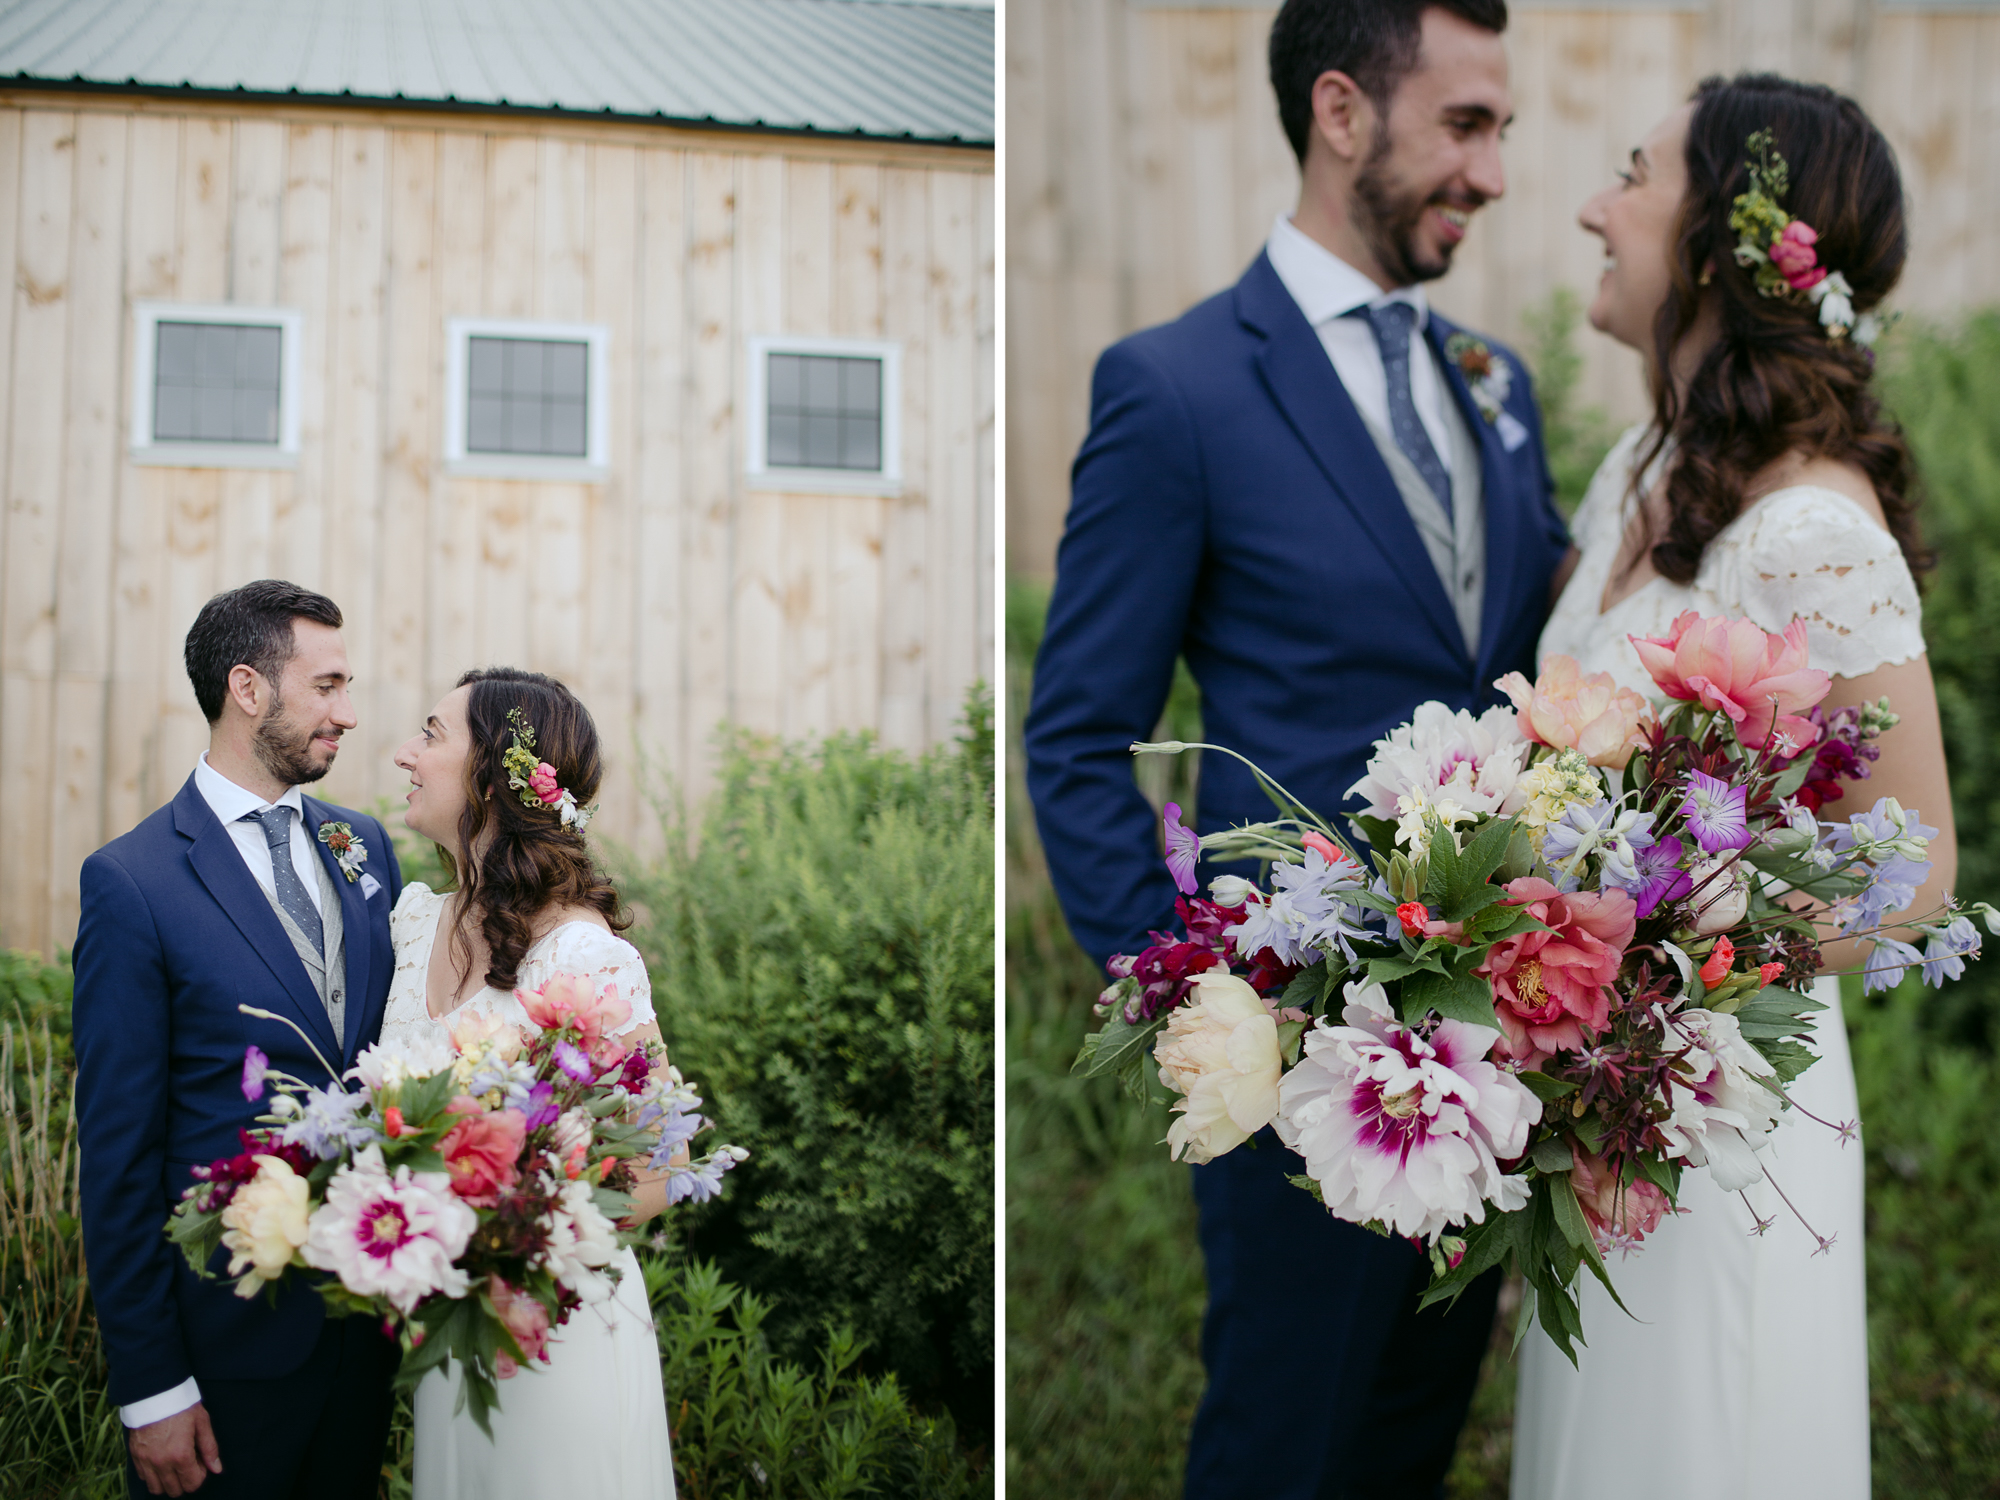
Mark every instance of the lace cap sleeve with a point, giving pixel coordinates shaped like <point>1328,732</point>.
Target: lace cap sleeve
<point>412,907</point>
<point>597,957</point>
<point>1815,555</point>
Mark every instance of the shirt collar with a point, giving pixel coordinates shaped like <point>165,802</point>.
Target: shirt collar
<point>229,802</point>
<point>1324,285</point>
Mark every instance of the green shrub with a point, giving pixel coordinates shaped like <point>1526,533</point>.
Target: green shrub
<point>822,962</point>
<point>1575,438</point>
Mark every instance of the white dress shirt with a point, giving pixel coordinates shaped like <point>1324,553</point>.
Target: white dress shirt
<point>1327,288</point>
<point>229,802</point>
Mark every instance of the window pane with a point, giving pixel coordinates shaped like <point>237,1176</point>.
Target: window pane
<point>215,413</point>
<point>822,441</point>
<point>528,396</point>
<point>175,357</point>
<point>173,414</point>
<point>216,356</point>
<point>256,417</point>
<point>485,425</point>
<point>860,443</point>
<point>217,382</point>
<point>257,357</point>
<point>485,367</point>
<point>860,386</point>
<point>566,428</point>
<point>785,381</point>
<point>524,425</point>
<point>566,371</point>
<point>822,391</point>
<point>824,412</point>
<point>525,358</point>
<point>784,443</point>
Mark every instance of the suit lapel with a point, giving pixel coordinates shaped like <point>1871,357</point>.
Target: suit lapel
<point>1503,519</point>
<point>354,919</point>
<point>219,865</point>
<point>1301,379</point>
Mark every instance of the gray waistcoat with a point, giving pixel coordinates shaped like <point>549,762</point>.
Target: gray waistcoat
<point>1456,543</point>
<point>328,971</point>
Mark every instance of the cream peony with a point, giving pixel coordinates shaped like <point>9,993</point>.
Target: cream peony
<point>1721,896</point>
<point>1220,1053</point>
<point>1721,1115</point>
<point>265,1224</point>
<point>581,1242</point>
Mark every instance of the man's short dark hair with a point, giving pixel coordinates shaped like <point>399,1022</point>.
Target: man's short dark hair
<point>250,627</point>
<point>1374,42</point>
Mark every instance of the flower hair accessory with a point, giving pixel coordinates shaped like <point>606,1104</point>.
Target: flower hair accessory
<point>1778,249</point>
<point>535,779</point>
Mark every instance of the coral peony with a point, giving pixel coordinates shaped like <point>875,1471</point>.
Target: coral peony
<point>394,1237</point>
<point>1567,710</point>
<point>1548,985</point>
<point>482,1152</point>
<point>568,1001</point>
<point>1620,1214</point>
<point>265,1223</point>
<point>1220,1053</point>
<point>1760,680</point>
<point>1402,1129</point>
<point>526,1319</point>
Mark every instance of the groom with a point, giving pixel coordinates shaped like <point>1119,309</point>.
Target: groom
<point>1335,505</point>
<point>226,897</point>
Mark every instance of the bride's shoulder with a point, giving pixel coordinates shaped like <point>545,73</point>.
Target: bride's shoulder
<point>417,902</point>
<point>1613,479</point>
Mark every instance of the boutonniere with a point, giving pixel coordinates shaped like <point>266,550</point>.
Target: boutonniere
<point>1486,373</point>
<point>348,851</point>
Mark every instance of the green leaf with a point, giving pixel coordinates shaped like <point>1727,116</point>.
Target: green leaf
<point>1389,970</point>
<point>1568,1212</point>
<point>1793,777</point>
<point>1309,1185</point>
<point>1544,1087</point>
<point>1456,998</point>
<point>1465,889</point>
<point>1305,986</point>
<point>1553,1155</point>
<point>1291,1040</point>
<point>1379,833</point>
<point>1109,1048</point>
<point>423,1097</point>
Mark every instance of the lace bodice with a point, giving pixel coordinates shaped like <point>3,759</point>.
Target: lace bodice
<point>1802,552</point>
<point>580,948</point>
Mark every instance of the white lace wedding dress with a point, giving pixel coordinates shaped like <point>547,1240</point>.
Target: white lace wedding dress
<point>1745,1374</point>
<point>593,1421</point>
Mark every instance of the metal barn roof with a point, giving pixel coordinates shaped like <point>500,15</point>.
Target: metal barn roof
<point>849,67</point>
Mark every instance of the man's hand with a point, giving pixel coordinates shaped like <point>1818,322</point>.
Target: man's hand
<point>175,1455</point>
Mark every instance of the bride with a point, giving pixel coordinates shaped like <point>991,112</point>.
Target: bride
<point>1767,485</point>
<point>529,904</point>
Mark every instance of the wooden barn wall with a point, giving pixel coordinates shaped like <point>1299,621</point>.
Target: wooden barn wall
<point>1145,164</point>
<point>672,598</point>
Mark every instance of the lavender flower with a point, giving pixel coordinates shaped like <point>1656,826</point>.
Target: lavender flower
<point>1658,877</point>
<point>1183,849</point>
<point>569,1057</point>
<point>1304,915</point>
<point>327,1123</point>
<point>702,1180</point>
<point>1615,835</point>
<point>1715,813</point>
<point>1887,964</point>
<point>1946,952</point>
<point>541,1109</point>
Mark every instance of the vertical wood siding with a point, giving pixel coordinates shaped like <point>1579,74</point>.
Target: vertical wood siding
<point>672,597</point>
<point>1145,164</point>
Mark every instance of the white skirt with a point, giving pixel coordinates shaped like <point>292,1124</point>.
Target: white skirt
<point>592,1422</point>
<point>1745,1374</point>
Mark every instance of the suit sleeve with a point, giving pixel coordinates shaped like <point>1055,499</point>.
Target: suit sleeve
<point>120,1019</point>
<point>1126,574</point>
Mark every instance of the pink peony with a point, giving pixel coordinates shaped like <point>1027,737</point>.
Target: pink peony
<point>482,1152</point>
<point>1620,1214</point>
<point>394,1236</point>
<point>1548,985</point>
<point>526,1319</point>
<point>1793,254</point>
<point>542,781</point>
<point>567,1001</point>
<point>1562,708</point>
<point>1760,680</point>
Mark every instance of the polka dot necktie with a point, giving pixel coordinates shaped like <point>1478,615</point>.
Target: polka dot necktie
<point>1392,322</point>
<point>277,823</point>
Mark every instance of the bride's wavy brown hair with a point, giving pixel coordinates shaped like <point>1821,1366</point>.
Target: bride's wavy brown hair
<point>533,861</point>
<point>1773,382</point>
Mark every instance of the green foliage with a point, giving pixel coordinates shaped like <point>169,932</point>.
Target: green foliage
<point>823,967</point>
<point>1944,386</point>
<point>748,1425</point>
<point>1575,437</point>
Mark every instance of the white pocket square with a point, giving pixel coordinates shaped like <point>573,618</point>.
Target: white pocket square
<point>1512,433</point>
<point>369,886</point>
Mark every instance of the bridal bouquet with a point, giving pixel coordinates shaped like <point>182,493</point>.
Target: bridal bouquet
<point>1574,964</point>
<point>469,1198</point>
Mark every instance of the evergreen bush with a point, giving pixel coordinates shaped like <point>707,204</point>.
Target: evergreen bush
<point>820,943</point>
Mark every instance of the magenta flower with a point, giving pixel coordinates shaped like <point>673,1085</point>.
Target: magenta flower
<point>1661,879</point>
<point>1183,849</point>
<point>1715,813</point>
<point>571,1060</point>
<point>255,1066</point>
<point>541,1108</point>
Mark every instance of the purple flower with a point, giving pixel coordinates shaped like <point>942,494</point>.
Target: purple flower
<point>1946,952</point>
<point>1887,963</point>
<point>255,1066</point>
<point>541,1108</point>
<point>1660,877</point>
<point>569,1057</point>
<point>1183,849</point>
<point>1715,813</point>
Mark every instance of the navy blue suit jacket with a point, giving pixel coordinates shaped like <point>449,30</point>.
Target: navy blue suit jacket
<point>175,933</point>
<point>1229,505</point>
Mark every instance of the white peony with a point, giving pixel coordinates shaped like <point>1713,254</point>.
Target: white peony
<point>1720,1115</point>
<point>265,1223</point>
<point>1402,1130</point>
<point>1722,894</point>
<point>393,1237</point>
<point>1445,757</point>
<point>391,1064</point>
<point>581,1242</point>
<point>1220,1052</point>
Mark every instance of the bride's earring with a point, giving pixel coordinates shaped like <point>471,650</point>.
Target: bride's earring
<point>1707,275</point>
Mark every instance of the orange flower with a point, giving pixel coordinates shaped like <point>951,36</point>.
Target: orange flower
<point>1592,715</point>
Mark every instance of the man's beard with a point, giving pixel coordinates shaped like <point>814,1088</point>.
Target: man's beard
<point>1388,217</point>
<point>285,752</point>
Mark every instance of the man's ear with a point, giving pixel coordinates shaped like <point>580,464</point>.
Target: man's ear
<point>248,690</point>
<point>1343,115</point>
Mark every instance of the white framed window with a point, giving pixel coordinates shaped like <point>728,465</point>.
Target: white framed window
<point>215,386</point>
<point>825,414</point>
<point>527,400</point>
